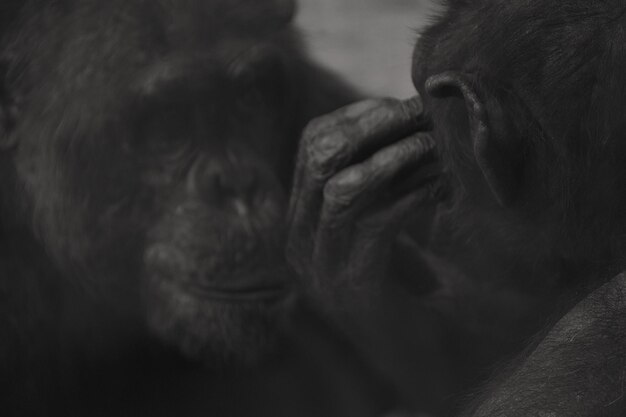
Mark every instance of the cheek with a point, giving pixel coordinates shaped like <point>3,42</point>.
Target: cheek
<point>88,213</point>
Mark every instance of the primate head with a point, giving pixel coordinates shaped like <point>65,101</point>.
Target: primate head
<point>527,100</point>
<point>147,147</point>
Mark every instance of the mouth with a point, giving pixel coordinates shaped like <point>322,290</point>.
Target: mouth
<point>257,289</point>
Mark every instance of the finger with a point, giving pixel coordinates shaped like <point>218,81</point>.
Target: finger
<point>375,123</point>
<point>390,171</point>
<point>347,199</point>
<point>332,142</point>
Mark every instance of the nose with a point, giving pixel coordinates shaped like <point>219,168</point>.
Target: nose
<point>222,179</point>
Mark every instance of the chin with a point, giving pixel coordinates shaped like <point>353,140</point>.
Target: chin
<point>233,327</point>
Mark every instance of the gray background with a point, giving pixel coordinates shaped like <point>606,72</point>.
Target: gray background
<point>367,41</point>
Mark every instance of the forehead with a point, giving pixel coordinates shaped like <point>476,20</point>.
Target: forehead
<point>80,45</point>
<point>83,62</point>
<point>513,37</point>
<point>116,27</point>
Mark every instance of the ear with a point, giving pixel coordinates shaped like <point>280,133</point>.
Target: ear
<point>498,145</point>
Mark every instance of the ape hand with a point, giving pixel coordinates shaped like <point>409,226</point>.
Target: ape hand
<point>360,170</point>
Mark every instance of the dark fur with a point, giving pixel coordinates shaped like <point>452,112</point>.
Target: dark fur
<point>107,226</point>
<point>550,74</point>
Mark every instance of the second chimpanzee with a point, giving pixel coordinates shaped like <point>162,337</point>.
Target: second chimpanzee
<point>526,104</point>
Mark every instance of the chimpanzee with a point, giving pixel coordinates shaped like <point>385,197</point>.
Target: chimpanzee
<point>521,141</point>
<point>146,151</point>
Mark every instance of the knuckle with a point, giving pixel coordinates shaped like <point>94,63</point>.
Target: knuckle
<point>335,198</point>
<point>328,152</point>
<point>312,128</point>
<point>341,190</point>
<point>320,124</point>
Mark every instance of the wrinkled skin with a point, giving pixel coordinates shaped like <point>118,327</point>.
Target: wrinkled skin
<point>529,133</point>
<point>346,190</point>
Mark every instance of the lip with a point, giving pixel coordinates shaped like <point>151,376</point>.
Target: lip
<point>253,293</point>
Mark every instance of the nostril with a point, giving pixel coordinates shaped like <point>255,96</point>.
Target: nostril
<point>216,181</point>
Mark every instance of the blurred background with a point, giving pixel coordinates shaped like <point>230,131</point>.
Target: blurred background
<point>367,41</point>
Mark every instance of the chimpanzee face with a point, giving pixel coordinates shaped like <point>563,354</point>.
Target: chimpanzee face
<point>154,153</point>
